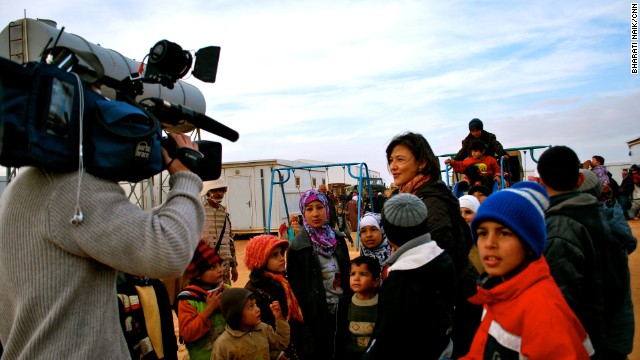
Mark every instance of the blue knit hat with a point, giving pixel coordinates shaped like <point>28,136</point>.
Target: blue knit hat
<point>521,209</point>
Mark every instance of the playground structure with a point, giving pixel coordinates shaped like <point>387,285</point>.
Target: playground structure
<point>284,175</point>
<point>511,172</point>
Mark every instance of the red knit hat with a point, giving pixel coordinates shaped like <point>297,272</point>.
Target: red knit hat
<point>204,258</point>
<point>259,248</point>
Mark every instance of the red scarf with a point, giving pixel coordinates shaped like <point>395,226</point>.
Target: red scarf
<point>292,302</point>
<point>414,184</point>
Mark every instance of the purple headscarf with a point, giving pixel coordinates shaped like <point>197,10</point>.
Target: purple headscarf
<point>323,238</point>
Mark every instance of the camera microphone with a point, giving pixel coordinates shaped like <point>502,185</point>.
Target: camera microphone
<point>197,119</point>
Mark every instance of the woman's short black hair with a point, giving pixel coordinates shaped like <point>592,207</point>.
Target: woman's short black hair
<point>421,150</point>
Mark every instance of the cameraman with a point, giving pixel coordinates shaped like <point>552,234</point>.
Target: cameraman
<point>58,278</point>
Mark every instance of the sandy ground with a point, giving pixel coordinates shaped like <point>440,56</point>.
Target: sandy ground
<point>634,267</point>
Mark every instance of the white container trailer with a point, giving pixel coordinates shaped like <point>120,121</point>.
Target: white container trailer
<point>248,193</point>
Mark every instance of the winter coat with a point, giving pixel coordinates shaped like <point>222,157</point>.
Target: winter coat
<point>415,305</point>
<point>450,231</point>
<point>305,277</point>
<point>572,255</point>
<point>527,317</point>
<point>267,291</point>
<point>198,332</point>
<point>494,147</point>
<point>261,343</point>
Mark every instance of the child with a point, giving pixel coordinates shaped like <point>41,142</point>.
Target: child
<point>199,318</point>
<point>265,257</point>
<point>342,224</point>
<point>358,314</point>
<point>294,226</point>
<point>374,241</point>
<point>480,192</point>
<point>525,314</point>
<point>415,305</point>
<point>246,336</point>
<point>479,169</point>
<point>469,205</point>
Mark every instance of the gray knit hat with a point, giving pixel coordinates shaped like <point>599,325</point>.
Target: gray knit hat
<point>404,217</point>
<point>231,305</point>
<point>591,184</point>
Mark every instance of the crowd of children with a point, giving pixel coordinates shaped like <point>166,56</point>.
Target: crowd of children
<point>307,299</point>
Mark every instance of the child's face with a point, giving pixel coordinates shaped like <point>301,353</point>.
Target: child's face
<point>371,236</point>
<point>477,154</point>
<point>361,280</point>
<point>339,211</point>
<point>214,275</point>
<point>315,214</point>
<point>480,196</point>
<point>276,261</point>
<point>475,133</point>
<point>467,214</point>
<point>500,249</point>
<point>250,315</point>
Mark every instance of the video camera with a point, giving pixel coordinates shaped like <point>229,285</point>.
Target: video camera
<point>119,139</point>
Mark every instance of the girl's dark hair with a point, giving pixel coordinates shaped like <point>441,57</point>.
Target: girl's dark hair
<point>421,150</point>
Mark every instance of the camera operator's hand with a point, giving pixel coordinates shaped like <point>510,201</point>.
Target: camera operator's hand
<point>174,164</point>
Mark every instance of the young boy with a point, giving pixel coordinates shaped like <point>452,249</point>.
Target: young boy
<point>265,257</point>
<point>357,315</point>
<point>341,223</point>
<point>525,314</point>
<point>199,318</point>
<point>415,305</point>
<point>374,241</point>
<point>479,169</point>
<point>246,336</point>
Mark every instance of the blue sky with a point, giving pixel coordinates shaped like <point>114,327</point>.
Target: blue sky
<point>336,80</point>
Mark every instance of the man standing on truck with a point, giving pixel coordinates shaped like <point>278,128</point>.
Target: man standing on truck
<point>217,228</point>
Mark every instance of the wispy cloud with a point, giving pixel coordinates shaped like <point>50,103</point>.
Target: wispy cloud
<point>335,80</point>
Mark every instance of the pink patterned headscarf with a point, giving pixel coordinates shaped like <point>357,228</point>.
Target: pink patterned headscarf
<point>323,238</point>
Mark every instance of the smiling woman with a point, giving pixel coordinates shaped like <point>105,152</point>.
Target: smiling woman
<point>416,170</point>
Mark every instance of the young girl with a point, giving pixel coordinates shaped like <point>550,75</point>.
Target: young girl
<point>469,205</point>
<point>318,269</point>
<point>246,336</point>
<point>525,314</point>
<point>294,226</point>
<point>199,318</point>
<point>265,257</point>
<point>374,241</point>
<point>357,315</point>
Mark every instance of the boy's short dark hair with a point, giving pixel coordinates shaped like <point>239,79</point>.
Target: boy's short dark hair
<point>559,168</point>
<point>371,262</point>
<point>479,188</point>
<point>599,158</point>
<point>478,145</point>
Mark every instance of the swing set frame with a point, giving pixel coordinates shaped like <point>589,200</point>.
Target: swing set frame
<point>284,174</point>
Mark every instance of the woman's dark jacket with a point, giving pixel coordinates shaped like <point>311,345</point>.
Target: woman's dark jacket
<point>305,278</point>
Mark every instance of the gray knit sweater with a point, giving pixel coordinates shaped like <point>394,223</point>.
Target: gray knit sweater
<point>58,280</point>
